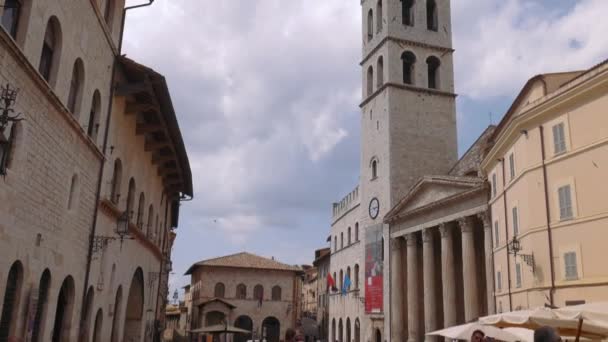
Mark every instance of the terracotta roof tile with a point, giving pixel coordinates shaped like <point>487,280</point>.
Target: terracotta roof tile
<point>244,260</point>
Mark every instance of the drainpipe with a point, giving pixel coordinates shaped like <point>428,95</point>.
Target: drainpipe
<point>162,261</point>
<point>548,215</point>
<point>122,24</point>
<point>504,198</point>
<point>100,174</point>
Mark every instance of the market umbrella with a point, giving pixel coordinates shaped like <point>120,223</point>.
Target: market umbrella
<point>465,331</point>
<point>590,322</point>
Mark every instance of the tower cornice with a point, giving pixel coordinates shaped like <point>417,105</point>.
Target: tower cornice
<point>406,87</point>
<point>405,42</point>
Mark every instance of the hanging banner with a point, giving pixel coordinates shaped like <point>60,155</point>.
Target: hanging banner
<point>374,259</point>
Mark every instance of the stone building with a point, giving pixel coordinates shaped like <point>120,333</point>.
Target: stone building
<point>246,291</point>
<point>309,291</point>
<point>63,273</point>
<point>440,233</point>
<point>549,212</point>
<point>322,263</point>
<point>408,129</point>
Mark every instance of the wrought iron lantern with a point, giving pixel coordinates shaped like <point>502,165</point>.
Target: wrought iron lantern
<point>122,225</point>
<point>8,97</point>
<point>122,230</point>
<point>514,247</point>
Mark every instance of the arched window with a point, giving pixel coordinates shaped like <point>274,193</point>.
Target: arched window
<point>10,16</point>
<point>341,240</point>
<point>379,14</point>
<point>341,280</point>
<point>73,191</point>
<point>93,124</point>
<point>76,85</point>
<point>370,80</point>
<point>349,237</point>
<point>220,290</point>
<point>407,12</point>
<point>276,293</point>
<point>431,15</point>
<point>41,306</point>
<point>150,224</point>
<point>335,244</point>
<point>258,292</point>
<point>357,330</point>
<point>408,60</point>
<point>11,301</point>
<point>374,169</point>
<point>108,13</point>
<point>51,50</point>
<point>241,291</point>
<point>380,71</point>
<point>378,336</point>
<point>116,181</point>
<point>370,25</point>
<point>348,276</point>
<point>98,326</point>
<point>357,231</point>
<point>140,211</point>
<point>356,276</point>
<point>116,318</point>
<point>433,64</point>
<point>131,198</point>
<point>348,330</point>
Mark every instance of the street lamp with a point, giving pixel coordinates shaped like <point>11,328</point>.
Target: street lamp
<point>8,97</point>
<point>514,247</point>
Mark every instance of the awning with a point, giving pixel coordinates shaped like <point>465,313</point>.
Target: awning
<point>220,329</point>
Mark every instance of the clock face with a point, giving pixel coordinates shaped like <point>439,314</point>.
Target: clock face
<point>374,208</point>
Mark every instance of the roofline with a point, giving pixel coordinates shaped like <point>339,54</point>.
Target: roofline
<point>471,147</point>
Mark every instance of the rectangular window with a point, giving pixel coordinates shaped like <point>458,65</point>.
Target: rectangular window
<point>515,221</point>
<point>511,166</point>
<point>494,185</point>
<point>559,138</point>
<point>496,234</point>
<point>570,265</point>
<point>499,281</point>
<point>517,275</point>
<point>565,202</point>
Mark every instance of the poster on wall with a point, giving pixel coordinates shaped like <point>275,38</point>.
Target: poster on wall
<point>374,260</point>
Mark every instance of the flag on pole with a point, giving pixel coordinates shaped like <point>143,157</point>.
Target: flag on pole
<point>331,283</point>
<point>346,284</point>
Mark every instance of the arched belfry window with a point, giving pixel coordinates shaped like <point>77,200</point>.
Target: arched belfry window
<point>370,80</point>
<point>374,166</point>
<point>10,16</point>
<point>93,124</point>
<point>431,15</point>
<point>116,181</point>
<point>379,21</point>
<point>433,64</point>
<point>408,60</point>
<point>51,50</point>
<point>108,13</point>
<point>407,12</point>
<point>380,71</point>
<point>370,25</point>
<point>76,85</point>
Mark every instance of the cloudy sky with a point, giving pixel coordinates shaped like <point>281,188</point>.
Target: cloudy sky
<point>267,95</point>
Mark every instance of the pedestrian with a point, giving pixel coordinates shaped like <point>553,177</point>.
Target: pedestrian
<point>290,335</point>
<point>546,334</point>
<point>478,336</point>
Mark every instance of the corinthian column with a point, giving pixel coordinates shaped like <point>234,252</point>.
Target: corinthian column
<point>430,300</point>
<point>397,324</point>
<point>487,242</point>
<point>413,321</point>
<point>447,275</point>
<point>471,302</point>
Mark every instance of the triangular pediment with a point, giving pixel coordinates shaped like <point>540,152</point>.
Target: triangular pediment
<point>433,189</point>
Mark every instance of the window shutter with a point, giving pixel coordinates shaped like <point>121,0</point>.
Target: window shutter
<point>570,265</point>
<point>515,222</point>
<point>565,202</point>
<point>496,234</point>
<point>559,138</point>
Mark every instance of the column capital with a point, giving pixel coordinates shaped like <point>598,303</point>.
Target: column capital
<point>466,224</point>
<point>412,239</point>
<point>396,243</point>
<point>427,235</point>
<point>485,218</point>
<point>445,229</point>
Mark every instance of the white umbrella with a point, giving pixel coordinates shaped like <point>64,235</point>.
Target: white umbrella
<point>523,333</point>
<point>465,331</point>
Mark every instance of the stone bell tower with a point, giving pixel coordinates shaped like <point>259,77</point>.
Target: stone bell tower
<point>408,110</point>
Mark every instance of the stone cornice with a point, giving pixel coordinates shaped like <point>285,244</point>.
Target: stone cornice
<point>46,90</point>
<point>404,42</point>
<point>406,87</point>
